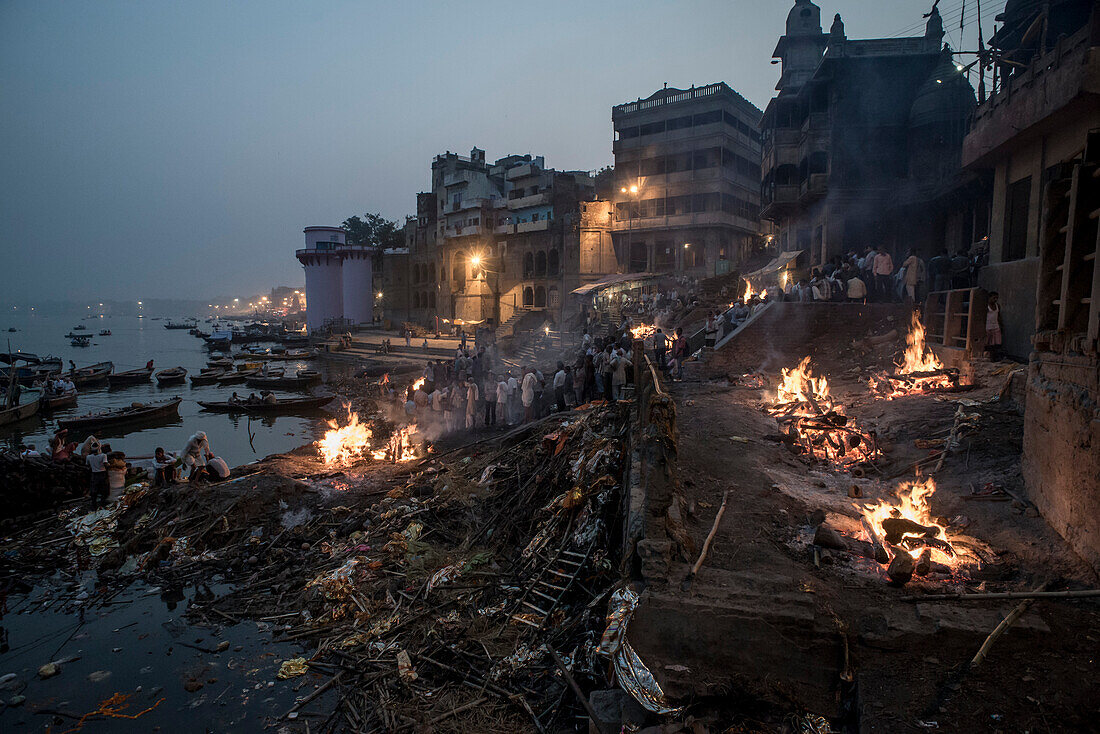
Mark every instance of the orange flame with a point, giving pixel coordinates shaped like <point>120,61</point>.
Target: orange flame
<point>799,385</point>
<point>748,293</point>
<point>912,503</point>
<point>643,331</point>
<point>346,444</point>
<point>419,383</point>
<point>399,448</point>
<point>918,358</point>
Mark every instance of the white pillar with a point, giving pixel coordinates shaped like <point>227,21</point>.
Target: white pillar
<point>358,285</point>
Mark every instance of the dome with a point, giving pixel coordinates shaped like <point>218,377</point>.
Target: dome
<point>804,19</point>
<point>945,96</point>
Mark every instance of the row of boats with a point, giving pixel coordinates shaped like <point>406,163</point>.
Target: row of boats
<point>168,410</point>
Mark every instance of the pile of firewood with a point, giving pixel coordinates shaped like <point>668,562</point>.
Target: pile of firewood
<point>34,484</point>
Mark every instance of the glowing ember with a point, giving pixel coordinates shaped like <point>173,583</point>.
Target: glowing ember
<point>346,444</point>
<point>906,525</point>
<point>798,385</point>
<point>643,331</point>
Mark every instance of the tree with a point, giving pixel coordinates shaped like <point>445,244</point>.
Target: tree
<point>373,230</point>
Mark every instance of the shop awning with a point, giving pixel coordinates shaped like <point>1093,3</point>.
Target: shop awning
<point>779,263</point>
<point>611,280</point>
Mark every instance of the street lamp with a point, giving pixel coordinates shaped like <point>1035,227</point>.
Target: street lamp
<point>633,191</point>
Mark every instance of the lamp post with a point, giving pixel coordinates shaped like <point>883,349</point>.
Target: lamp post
<point>633,190</point>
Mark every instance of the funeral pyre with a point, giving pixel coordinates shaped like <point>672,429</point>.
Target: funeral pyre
<point>356,440</point>
<point>813,425</point>
<point>920,370</point>
<point>643,331</point>
<point>447,593</point>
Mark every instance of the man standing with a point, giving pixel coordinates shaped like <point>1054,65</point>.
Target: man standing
<point>660,348</point>
<point>883,269</point>
<point>502,393</point>
<point>679,352</point>
<point>489,393</point>
<point>559,386</point>
<point>914,275</point>
<point>513,399</point>
<point>97,462</point>
<point>528,394</point>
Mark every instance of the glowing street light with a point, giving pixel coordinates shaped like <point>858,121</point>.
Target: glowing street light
<point>475,260</point>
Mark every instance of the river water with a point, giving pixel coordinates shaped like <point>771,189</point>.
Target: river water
<point>132,343</point>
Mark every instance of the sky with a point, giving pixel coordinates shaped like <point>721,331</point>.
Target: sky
<point>177,149</point>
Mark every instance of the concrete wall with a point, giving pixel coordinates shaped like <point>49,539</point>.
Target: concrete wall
<point>1061,463</point>
<point>358,286</point>
<point>324,289</point>
<point>1015,282</point>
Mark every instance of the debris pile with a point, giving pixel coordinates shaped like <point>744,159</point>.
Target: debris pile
<point>29,485</point>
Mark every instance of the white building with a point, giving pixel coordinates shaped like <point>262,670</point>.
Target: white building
<point>339,279</point>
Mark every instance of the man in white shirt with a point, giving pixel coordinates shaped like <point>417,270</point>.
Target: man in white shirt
<point>513,399</point>
<point>559,386</point>
<point>503,391</point>
<point>99,489</point>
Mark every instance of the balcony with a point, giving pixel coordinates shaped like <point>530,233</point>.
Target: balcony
<point>814,187</point>
<point>542,224</point>
<point>528,201</point>
<point>460,177</point>
<point>782,199</point>
<point>527,169</point>
<point>504,229</point>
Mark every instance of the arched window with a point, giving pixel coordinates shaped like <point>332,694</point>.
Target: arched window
<point>540,263</point>
<point>540,297</point>
<point>416,300</point>
<point>528,265</point>
<point>553,262</point>
<point>528,296</point>
<point>431,300</point>
<point>430,268</point>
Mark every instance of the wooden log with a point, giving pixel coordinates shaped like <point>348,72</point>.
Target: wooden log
<point>686,584</point>
<point>1001,628</point>
<point>1078,594</point>
<point>879,550</point>
<point>900,569</point>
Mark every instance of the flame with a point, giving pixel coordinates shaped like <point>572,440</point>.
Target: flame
<point>419,383</point>
<point>643,331</point>
<point>912,503</point>
<point>346,444</point>
<point>799,385</point>
<point>399,448</point>
<point>784,276</point>
<point>748,293</point>
<point>918,358</point>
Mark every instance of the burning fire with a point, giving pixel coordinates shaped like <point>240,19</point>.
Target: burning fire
<point>907,526</point>
<point>799,386</point>
<point>344,445</point>
<point>419,383</point>
<point>643,331</point>
<point>918,358</point>
<point>919,370</point>
<point>748,293</point>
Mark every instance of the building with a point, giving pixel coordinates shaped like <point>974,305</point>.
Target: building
<point>861,144</point>
<point>687,169</point>
<point>1038,135</point>
<point>494,241</point>
<point>339,280</point>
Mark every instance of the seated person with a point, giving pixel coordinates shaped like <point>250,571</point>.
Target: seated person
<point>164,466</point>
<point>216,468</point>
<point>269,397</point>
<point>29,451</point>
<point>252,399</point>
<point>234,399</point>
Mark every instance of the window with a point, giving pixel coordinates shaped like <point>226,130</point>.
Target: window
<point>651,128</point>
<point>678,123</point>
<point>528,267</point>
<point>528,296</point>
<point>625,133</point>
<point>553,262</point>
<point>431,300</point>
<point>1017,204</point>
<point>540,264</point>
<point>540,297</point>
<point>707,118</point>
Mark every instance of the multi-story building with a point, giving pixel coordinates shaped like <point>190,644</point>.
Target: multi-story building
<point>493,240</point>
<point>1038,134</point>
<point>862,143</point>
<point>687,174</point>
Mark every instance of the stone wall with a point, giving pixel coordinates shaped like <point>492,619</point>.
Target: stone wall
<point>1015,282</point>
<point>1061,463</point>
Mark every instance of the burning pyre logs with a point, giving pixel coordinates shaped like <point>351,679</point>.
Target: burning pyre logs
<point>813,425</point>
<point>920,371</point>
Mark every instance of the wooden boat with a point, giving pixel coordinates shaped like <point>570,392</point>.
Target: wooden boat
<point>223,362</point>
<point>105,332</point>
<point>58,401</point>
<point>304,379</point>
<point>286,405</point>
<point>92,374</point>
<point>136,413</point>
<point>80,327</point>
<point>292,354</point>
<point>81,341</point>
<point>180,325</point>
<point>27,409</point>
<point>28,375</point>
<point>208,376</point>
<point>129,377</point>
<point>171,376</point>
<point>236,378</point>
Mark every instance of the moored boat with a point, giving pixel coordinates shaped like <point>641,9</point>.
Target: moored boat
<point>56,401</point>
<point>303,379</point>
<point>136,413</point>
<point>223,362</point>
<point>179,325</point>
<point>285,405</point>
<point>129,377</point>
<point>81,341</point>
<point>236,377</point>
<point>207,376</point>
<point>171,376</point>
<point>28,408</point>
<point>90,375</point>
<point>105,332</point>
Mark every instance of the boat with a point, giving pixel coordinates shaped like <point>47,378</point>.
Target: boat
<point>292,354</point>
<point>136,413</point>
<point>12,329</point>
<point>236,378</point>
<point>27,375</point>
<point>179,325</point>
<point>129,377</point>
<point>80,327</point>
<point>285,405</point>
<point>32,402</point>
<point>303,379</point>
<point>81,341</point>
<point>207,376</point>
<point>224,362</point>
<point>90,375</point>
<point>171,376</point>
<point>56,401</point>
<point>105,332</point>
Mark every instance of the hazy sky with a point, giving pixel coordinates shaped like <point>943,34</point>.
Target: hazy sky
<point>177,149</point>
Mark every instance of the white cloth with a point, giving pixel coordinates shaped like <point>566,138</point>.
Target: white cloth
<point>97,462</point>
<point>219,467</point>
<point>559,378</point>
<point>503,391</point>
<point>529,381</point>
